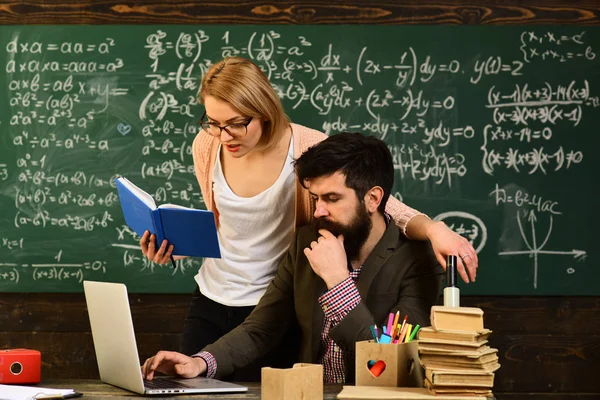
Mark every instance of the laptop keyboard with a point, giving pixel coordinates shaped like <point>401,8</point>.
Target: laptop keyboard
<point>164,384</point>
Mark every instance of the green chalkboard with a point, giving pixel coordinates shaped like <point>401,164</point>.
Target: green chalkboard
<point>493,130</point>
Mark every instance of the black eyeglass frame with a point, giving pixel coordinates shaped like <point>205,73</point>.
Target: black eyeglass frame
<point>223,128</point>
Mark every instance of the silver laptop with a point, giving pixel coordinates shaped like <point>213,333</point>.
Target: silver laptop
<point>116,350</point>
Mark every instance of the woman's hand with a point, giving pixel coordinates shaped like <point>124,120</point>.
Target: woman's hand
<point>148,245</point>
<point>447,242</point>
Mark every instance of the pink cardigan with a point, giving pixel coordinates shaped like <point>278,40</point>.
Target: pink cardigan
<point>204,150</point>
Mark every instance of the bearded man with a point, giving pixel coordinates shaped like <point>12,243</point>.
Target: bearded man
<point>346,271</point>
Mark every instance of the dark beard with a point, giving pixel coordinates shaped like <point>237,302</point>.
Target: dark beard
<point>355,234</point>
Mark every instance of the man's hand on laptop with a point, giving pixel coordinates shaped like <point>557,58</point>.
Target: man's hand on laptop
<point>173,363</point>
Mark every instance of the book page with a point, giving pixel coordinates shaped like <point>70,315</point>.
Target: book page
<point>13,392</point>
<point>142,195</point>
<point>168,205</point>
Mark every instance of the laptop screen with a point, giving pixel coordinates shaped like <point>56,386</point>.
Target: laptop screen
<point>115,345</point>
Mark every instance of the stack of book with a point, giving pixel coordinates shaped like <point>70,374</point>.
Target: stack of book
<point>455,353</point>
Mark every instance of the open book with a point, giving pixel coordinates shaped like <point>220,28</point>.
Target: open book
<point>192,232</point>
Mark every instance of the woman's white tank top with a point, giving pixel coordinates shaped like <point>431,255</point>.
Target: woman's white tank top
<point>254,234</point>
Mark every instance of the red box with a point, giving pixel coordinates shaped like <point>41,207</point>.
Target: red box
<point>20,366</point>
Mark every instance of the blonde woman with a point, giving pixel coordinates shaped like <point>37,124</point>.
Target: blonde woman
<point>243,162</point>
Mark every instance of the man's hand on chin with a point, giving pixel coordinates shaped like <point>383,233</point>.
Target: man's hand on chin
<point>173,363</point>
<point>327,258</point>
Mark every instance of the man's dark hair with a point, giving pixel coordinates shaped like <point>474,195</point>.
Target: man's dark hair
<point>365,161</point>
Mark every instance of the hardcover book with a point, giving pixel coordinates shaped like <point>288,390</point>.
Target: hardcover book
<point>192,232</point>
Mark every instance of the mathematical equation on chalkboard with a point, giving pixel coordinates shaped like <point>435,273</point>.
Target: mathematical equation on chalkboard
<point>82,110</point>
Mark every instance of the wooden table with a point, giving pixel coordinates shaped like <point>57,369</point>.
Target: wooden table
<point>95,389</point>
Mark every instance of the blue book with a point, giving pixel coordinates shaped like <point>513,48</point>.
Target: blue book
<point>192,232</point>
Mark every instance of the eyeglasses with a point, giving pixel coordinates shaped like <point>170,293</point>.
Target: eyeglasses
<point>235,130</point>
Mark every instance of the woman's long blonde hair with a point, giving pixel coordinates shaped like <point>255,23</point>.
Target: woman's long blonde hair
<point>241,83</point>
